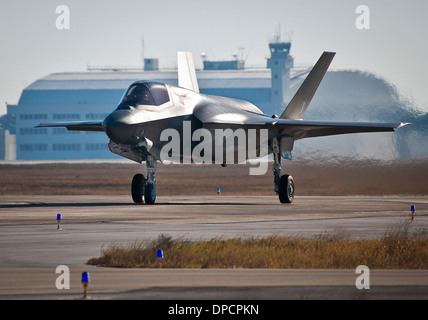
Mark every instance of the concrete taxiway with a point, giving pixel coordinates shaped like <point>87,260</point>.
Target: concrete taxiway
<point>32,247</point>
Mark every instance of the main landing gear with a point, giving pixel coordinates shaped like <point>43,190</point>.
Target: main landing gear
<point>142,187</point>
<point>284,185</point>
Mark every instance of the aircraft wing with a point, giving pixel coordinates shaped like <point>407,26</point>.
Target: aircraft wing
<point>75,125</point>
<point>299,129</point>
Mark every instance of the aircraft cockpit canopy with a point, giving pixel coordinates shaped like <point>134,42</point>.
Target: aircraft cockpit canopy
<point>147,93</point>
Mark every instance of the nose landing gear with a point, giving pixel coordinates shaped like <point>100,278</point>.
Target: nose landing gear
<point>142,187</point>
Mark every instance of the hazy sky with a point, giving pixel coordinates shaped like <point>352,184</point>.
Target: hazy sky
<point>109,32</point>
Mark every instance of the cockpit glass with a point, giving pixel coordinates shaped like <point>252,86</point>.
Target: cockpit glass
<point>146,93</point>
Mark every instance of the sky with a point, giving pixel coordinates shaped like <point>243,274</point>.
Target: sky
<point>110,33</point>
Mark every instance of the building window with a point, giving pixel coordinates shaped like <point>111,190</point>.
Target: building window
<point>96,146</point>
<point>66,147</point>
<point>37,116</point>
<point>59,130</point>
<point>66,116</point>
<point>32,131</point>
<point>96,116</point>
<point>33,147</point>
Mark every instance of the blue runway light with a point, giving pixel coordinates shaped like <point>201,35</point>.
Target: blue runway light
<point>85,282</point>
<point>85,277</point>
<point>58,220</point>
<point>160,253</point>
<point>412,208</point>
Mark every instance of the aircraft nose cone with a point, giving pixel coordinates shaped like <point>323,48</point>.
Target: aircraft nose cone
<point>118,127</point>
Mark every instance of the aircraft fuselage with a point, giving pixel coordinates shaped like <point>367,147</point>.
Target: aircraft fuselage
<point>134,126</point>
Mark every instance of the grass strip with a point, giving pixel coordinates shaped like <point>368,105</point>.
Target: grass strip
<point>396,250</point>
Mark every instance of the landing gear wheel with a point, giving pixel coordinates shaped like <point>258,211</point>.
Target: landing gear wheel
<point>137,188</point>
<point>286,189</point>
<point>150,193</point>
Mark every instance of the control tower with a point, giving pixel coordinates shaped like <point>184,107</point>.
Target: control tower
<point>280,63</point>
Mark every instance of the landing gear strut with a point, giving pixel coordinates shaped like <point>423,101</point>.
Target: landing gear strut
<point>145,187</point>
<point>284,185</point>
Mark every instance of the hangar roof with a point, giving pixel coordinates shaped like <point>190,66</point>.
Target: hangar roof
<point>118,79</point>
<point>85,87</point>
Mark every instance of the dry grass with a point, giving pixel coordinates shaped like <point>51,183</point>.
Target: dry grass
<point>344,177</point>
<point>396,250</point>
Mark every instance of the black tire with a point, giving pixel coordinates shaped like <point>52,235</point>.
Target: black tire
<point>137,188</point>
<point>286,189</point>
<point>150,193</point>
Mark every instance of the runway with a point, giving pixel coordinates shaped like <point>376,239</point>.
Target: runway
<point>32,247</point>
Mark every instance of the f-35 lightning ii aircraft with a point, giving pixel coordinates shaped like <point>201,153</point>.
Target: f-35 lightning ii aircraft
<point>150,112</point>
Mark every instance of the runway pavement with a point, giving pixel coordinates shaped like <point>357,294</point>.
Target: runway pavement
<point>32,247</point>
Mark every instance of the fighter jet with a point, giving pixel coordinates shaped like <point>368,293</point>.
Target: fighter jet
<point>151,114</point>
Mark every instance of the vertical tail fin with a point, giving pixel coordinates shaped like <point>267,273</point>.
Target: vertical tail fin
<point>186,71</point>
<point>300,102</point>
